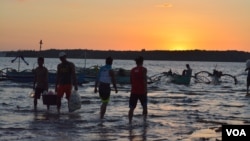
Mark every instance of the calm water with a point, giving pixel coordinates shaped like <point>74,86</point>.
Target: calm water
<point>176,112</point>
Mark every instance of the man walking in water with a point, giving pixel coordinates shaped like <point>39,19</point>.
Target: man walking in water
<point>138,78</point>
<point>65,79</point>
<point>105,77</point>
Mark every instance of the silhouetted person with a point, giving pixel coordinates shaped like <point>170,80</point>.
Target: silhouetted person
<point>40,81</point>
<point>188,71</point>
<point>65,79</point>
<point>138,78</point>
<point>105,77</point>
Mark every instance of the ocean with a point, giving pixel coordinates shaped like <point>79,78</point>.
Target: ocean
<point>192,112</point>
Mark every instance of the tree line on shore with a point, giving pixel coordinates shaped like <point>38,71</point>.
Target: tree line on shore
<point>189,55</point>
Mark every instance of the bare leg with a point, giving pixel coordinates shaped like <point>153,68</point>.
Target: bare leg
<point>58,102</point>
<point>35,103</point>
<point>103,110</point>
<point>130,115</point>
<point>145,111</point>
<point>247,89</point>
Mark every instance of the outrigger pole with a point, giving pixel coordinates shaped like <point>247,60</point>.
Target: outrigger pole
<point>19,57</point>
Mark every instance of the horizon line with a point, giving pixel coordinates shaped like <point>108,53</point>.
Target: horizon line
<point>142,50</point>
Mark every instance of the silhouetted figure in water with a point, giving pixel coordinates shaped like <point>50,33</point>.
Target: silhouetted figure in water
<point>188,71</point>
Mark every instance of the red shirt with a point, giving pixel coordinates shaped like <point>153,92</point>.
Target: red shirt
<point>138,80</point>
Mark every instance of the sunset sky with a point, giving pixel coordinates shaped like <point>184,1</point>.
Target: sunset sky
<point>125,24</point>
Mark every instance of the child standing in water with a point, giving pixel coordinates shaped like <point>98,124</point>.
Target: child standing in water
<point>40,81</point>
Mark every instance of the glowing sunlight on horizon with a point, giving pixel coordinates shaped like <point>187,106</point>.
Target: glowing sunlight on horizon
<point>125,25</point>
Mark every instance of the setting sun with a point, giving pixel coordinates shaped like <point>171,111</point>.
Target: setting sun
<point>180,40</point>
<point>178,47</point>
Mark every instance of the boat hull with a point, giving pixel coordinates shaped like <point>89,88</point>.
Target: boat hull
<point>179,79</point>
<point>83,76</point>
<point>28,76</point>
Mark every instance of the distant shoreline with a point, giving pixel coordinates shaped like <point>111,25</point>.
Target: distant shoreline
<point>189,55</point>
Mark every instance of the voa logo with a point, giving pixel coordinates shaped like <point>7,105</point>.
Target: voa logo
<point>236,132</point>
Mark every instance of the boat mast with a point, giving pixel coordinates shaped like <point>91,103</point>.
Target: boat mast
<point>41,42</point>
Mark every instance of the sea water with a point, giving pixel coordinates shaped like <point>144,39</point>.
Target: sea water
<point>175,112</point>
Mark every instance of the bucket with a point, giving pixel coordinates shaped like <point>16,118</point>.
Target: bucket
<point>49,99</point>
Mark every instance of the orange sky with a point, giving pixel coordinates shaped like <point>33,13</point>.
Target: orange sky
<point>125,24</point>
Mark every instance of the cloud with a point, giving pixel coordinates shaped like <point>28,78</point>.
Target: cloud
<point>165,5</point>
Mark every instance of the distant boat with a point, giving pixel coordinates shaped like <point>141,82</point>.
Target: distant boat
<point>19,76</point>
<point>3,75</point>
<point>171,77</point>
<point>84,75</point>
<point>216,77</point>
<point>27,76</point>
<point>122,76</point>
<point>180,79</point>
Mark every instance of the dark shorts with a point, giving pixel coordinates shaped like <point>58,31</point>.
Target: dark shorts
<point>38,92</point>
<point>134,98</point>
<point>104,92</point>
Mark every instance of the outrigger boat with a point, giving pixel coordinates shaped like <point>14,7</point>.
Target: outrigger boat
<point>3,76</point>
<point>180,79</point>
<point>216,77</point>
<point>122,76</point>
<point>83,75</point>
<point>27,75</point>
<point>173,78</point>
<point>17,75</point>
